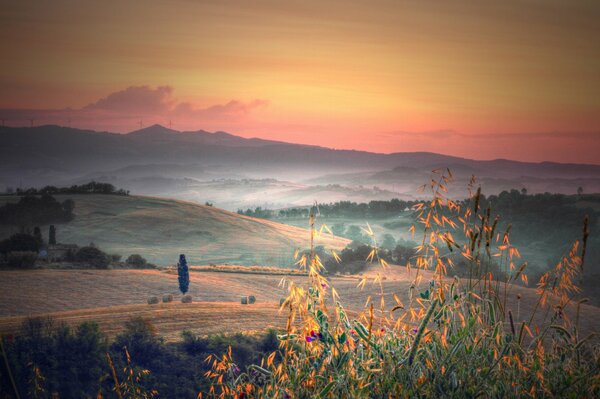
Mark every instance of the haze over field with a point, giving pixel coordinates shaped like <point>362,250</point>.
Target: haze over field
<point>235,172</point>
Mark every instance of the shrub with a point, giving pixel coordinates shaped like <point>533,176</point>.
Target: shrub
<point>21,259</point>
<point>251,299</point>
<point>136,260</point>
<point>92,256</point>
<point>167,298</point>
<point>152,300</point>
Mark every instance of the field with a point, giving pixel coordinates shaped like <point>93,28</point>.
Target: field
<point>161,229</point>
<point>111,297</point>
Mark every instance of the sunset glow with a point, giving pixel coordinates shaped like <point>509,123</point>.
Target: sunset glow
<point>491,80</point>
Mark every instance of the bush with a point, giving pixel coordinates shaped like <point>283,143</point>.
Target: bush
<point>136,260</point>
<point>153,300</point>
<point>21,259</point>
<point>92,256</point>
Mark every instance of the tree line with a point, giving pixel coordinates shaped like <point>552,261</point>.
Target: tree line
<point>92,187</point>
<point>373,209</point>
<point>37,210</point>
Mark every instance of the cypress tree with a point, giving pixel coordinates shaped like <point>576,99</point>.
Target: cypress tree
<point>37,234</point>
<point>183,273</point>
<point>52,235</point>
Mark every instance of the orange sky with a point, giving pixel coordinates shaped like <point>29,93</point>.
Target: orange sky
<point>517,80</point>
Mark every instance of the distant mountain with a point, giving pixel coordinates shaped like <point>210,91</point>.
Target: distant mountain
<point>60,155</point>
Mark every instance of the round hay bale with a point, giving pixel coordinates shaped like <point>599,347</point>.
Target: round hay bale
<point>251,299</point>
<point>186,299</point>
<point>244,300</point>
<point>167,298</point>
<point>152,300</point>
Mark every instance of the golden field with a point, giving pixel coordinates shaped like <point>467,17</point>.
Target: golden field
<point>111,297</point>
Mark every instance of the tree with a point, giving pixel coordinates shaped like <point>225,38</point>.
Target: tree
<point>19,242</point>
<point>93,257</point>
<point>37,234</point>
<point>579,190</point>
<point>52,235</point>
<point>184,274</point>
<point>136,260</point>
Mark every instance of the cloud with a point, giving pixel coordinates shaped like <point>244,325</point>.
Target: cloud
<point>232,108</point>
<point>141,99</point>
<point>123,111</point>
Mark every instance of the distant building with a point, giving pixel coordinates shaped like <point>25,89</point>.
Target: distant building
<point>59,252</point>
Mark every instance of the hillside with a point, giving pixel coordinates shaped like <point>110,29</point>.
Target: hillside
<point>204,166</point>
<point>161,229</point>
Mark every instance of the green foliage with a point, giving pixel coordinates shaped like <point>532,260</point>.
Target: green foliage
<point>136,260</point>
<point>183,274</point>
<point>257,212</point>
<point>92,187</point>
<point>21,259</point>
<point>353,210</point>
<point>19,242</point>
<point>31,210</point>
<point>52,235</point>
<point>70,362</point>
<point>37,234</point>
<point>92,256</point>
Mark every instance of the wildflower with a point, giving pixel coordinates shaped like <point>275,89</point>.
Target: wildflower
<point>313,336</point>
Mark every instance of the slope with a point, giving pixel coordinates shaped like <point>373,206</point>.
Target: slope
<point>161,229</point>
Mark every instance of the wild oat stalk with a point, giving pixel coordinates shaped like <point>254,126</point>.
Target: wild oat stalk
<point>463,329</point>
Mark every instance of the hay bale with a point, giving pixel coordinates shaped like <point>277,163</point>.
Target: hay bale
<point>152,300</point>
<point>244,300</point>
<point>251,299</point>
<point>186,299</point>
<point>167,298</point>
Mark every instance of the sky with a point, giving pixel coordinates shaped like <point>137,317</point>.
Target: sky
<point>483,80</point>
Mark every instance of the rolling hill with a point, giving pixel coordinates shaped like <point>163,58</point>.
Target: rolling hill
<point>163,162</point>
<point>161,229</point>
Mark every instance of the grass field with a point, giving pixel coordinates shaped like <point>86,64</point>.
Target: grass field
<point>161,229</point>
<point>112,297</point>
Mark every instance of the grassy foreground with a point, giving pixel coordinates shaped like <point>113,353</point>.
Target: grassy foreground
<point>467,342</point>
